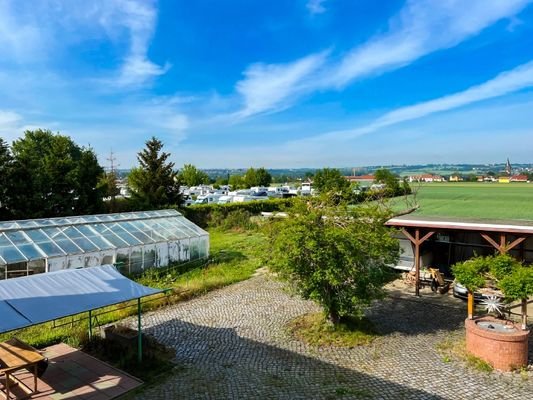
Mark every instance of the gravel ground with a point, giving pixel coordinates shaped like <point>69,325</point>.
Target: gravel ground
<point>232,344</point>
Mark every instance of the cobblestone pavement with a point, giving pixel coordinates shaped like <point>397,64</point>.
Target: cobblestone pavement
<point>232,344</point>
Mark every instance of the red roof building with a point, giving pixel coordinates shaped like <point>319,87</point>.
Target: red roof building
<point>360,178</point>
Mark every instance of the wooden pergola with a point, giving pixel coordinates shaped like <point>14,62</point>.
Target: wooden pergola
<point>495,232</point>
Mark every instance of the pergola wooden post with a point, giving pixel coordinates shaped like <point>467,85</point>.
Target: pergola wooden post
<point>503,247</point>
<point>417,241</point>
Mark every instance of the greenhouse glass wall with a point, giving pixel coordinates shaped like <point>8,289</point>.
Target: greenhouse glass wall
<point>133,241</point>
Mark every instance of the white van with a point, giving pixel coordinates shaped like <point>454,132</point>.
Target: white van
<point>208,198</point>
<point>225,199</point>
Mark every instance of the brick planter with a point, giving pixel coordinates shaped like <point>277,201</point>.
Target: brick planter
<point>505,351</point>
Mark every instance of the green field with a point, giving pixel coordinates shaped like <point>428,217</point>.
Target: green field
<point>473,200</point>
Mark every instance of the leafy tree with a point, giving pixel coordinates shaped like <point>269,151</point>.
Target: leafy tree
<point>221,181</point>
<point>471,178</point>
<point>386,177</point>
<point>336,256</point>
<point>154,183</point>
<point>107,184</point>
<point>192,176</point>
<point>52,176</point>
<point>236,182</point>
<point>89,196</point>
<point>257,177</point>
<point>6,161</point>
<point>330,180</point>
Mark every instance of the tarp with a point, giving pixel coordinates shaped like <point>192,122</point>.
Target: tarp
<point>44,297</point>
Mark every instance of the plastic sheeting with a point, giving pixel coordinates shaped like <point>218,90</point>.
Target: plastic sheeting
<point>44,297</point>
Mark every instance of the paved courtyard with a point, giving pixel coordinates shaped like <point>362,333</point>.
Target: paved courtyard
<point>232,344</point>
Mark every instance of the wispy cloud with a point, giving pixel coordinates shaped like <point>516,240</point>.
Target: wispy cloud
<point>420,28</point>
<point>10,123</point>
<point>272,87</point>
<point>21,39</point>
<point>128,24</point>
<point>316,6</point>
<point>139,19</point>
<point>505,83</point>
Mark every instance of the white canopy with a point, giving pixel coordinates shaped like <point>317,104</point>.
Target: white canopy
<point>44,297</point>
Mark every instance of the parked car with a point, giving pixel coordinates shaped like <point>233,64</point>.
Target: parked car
<point>461,292</point>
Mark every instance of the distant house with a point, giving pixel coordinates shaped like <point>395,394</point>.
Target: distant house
<point>485,178</point>
<point>519,178</point>
<point>426,178</point>
<point>504,179</point>
<point>360,179</point>
<point>456,178</point>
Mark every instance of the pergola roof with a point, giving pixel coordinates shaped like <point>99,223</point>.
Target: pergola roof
<point>26,240</point>
<point>465,224</point>
<point>44,297</point>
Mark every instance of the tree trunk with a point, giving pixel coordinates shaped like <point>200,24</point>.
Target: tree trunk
<point>334,317</point>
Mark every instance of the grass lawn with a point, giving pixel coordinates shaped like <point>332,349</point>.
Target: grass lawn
<point>234,256</point>
<point>473,200</point>
<point>315,330</point>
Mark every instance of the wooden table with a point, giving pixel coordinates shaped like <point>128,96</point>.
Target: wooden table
<point>16,355</point>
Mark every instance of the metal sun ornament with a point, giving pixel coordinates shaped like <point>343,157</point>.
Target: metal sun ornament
<point>493,304</point>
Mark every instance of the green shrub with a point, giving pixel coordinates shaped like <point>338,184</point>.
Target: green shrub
<point>512,277</point>
<point>502,265</point>
<point>519,284</point>
<point>237,220</point>
<point>202,214</point>
<point>471,273</point>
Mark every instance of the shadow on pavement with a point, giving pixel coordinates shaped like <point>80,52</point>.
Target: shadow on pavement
<point>216,363</point>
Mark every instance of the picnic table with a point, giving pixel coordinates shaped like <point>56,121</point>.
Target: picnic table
<point>14,356</point>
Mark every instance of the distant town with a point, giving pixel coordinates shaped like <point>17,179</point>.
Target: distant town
<point>427,172</point>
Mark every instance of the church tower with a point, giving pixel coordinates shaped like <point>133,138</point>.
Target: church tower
<point>508,168</point>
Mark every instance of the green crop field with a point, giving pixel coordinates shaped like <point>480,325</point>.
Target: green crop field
<point>474,200</point>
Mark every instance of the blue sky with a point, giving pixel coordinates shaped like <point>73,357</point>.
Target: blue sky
<point>278,83</point>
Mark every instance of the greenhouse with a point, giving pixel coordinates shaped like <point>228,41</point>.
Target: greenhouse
<point>133,241</point>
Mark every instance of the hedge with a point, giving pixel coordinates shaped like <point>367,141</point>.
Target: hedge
<point>201,214</point>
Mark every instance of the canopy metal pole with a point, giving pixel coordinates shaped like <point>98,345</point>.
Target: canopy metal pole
<point>90,325</point>
<point>139,329</point>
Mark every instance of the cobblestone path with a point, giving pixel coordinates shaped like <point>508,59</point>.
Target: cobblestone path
<point>232,344</point>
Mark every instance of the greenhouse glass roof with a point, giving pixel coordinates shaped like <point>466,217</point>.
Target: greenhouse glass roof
<point>34,239</point>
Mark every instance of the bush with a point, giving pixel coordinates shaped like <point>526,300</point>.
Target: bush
<point>502,266</point>
<point>237,219</point>
<point>519,284</point>
<point>512,277</point>
<point>203,214</point>
<point>471,273</point>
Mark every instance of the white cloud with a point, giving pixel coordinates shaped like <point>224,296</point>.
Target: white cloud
<point>21,39</point>
<point>10,125</point>
<point>9,118</point>
<point>316,6</point>
<point>269,87</point>
<point>139,18</point>
<point>505,83</point>
<point>128,24</point>
<point>420,28</point>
